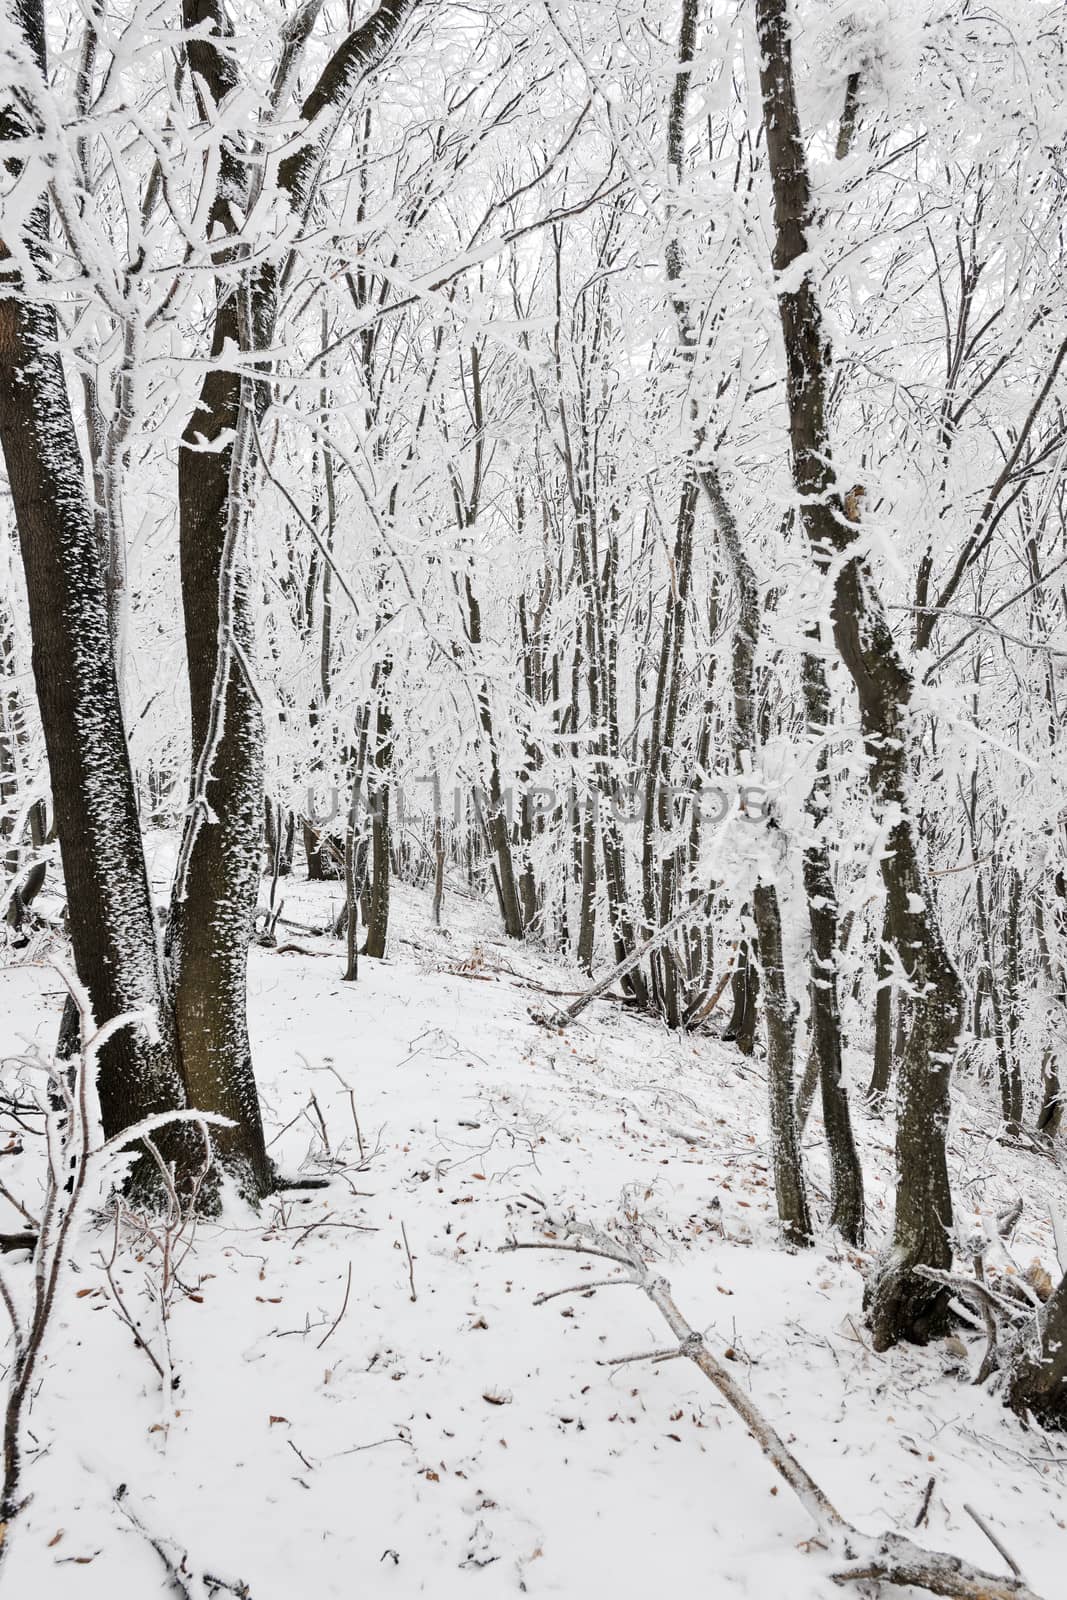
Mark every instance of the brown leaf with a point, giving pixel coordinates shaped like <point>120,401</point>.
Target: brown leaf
<point>1038,1279</point>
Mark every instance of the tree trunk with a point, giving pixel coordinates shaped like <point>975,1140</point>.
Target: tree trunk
<point>112,925</point>
<point>496,823</point>
<point>846,1176</point>
<point>1037,1383</point>
<point>744,993</point>
<point>217,885</point>
<point>882,1068</point>
<point>779,1018</point>
<point>902,1304</point>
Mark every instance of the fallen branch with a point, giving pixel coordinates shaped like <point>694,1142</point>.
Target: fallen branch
<point>182,1580</point>
<point>994,1541</point>
<point>889,1558</point>
<point>18,1241</point>
<point>559,1019</point>
<point>525,983</point>
<point>704,1010</point>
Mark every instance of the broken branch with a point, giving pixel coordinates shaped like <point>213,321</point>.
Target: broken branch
<point>890,1558</point>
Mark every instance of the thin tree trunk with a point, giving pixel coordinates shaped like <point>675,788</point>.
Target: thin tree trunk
<point>744,995</point>
<point>216,886</point>
<point>902,1304</point>
<point>779,1016</point>
<point>846,1176</point>
<point>882,1068</point>
<point>497,828</point>
<point>381,832</point>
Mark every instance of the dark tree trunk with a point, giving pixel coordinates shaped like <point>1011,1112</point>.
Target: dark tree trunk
<point>1037,1383</point>
<point>846,1176</point>
<point>323,854</point>
<point>496,824</point>
<point>438,863</point>
<point>217,884</point>
<point>217,887</point>
<point>902,1304</point>
<point>585,843</point>
<point>882,1069</point>
<point>744,994</point>
<point>109,904</point>
<point>1050,1112</point>
<point>381,833</point>
<point>657,876</point>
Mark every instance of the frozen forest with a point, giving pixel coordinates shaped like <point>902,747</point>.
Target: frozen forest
<point>533,716</point>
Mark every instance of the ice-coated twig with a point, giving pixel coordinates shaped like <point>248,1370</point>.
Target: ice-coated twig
<point>579,1288</point>
<point>638,1355</point>
<point>994,1541</point>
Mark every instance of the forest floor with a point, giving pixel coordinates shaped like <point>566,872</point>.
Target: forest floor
<point>349,1423</point>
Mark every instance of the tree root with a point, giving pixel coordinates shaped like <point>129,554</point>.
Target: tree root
<point>889,1558</point>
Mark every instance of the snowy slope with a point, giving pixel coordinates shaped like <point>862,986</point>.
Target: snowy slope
<point>332,1434</point>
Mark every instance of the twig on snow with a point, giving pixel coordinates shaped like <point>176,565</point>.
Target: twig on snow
<point>640,1355</point>
<point>352,1102</point>
<point>172,1558</point>
<point>579,1288</point>
<point>340,1314</point>
<point>297,1451</point>
<point>994,1541</point>
<point>411,1264</point>
<point>322,1124</point>
<point>924,1509</point>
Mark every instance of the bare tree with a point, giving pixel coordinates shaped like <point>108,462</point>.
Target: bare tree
<point>902,1303</point>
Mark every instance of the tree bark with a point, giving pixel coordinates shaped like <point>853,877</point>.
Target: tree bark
<point>846,1175</point>
<point>1037,1383</point>
<point>213,907</point>
<point>381,830</point>
<point>216,889</point>
<point>882,1067</point>
<point>901,1304</point>
<point>112,925</point>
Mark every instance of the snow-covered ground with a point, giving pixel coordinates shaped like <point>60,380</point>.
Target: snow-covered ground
<point>338,1432</point>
